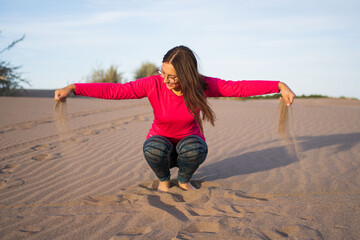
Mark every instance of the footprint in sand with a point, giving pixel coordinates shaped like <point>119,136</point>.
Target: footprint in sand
<point>45,156</point>
<point>75,139</point>
<point>87,133</point>
<point>6,129</point>
<point>3,183</point>
<point>215,210</point>
<point>12,182</point>
<point>203,227</point>
<point>117,127</point>
<point>131,233</point>
<point>9,182</point>
<point>141,118</point>
<point>203,212</point>
<point>200,230</point>
<point>44,121</point>
<point>22,126</point>
<point>229,210</point>
<point>300,231</point>
<point>8,168</point>
<point>121,122</point>
<point>16,127</point>
<point>43,147</point>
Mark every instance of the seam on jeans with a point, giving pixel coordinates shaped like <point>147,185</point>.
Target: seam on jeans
<point>192,142</point>
<point>149,153</point>
<point>160,149</point>
<point>193,149</point>
<point>158,141</point>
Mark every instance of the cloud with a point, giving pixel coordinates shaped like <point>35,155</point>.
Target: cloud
<point>71,21</point>
<point>295,24</point>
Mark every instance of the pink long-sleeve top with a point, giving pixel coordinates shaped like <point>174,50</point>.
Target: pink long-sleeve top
<point>171,117</point>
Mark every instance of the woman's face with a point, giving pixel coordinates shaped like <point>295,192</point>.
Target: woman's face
<point>170,78</point>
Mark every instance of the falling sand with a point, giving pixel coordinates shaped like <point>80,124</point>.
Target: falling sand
<point>286,129</point>
<point>60,119</point>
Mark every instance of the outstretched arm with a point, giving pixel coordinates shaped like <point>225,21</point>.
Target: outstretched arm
<point>286,93</point>
<point>63,93</point>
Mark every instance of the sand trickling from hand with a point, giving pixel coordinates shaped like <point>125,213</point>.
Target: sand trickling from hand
<point>60,119</point>
<point>286,129</point>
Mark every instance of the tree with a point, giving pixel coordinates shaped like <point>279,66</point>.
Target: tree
<point>10,78</point>
<point>146,69</point>
<point>100,75</point>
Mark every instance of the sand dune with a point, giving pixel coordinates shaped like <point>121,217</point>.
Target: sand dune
<point>92,181</point>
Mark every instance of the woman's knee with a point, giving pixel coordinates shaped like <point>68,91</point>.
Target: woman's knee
<point>157,149</point>
<point>192,149</point>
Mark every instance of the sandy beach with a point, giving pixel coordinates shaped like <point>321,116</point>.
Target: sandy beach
<point>93,182</point>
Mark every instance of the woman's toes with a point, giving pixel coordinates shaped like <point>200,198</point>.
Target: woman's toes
<point>186,186</point>
<point>164,186</point>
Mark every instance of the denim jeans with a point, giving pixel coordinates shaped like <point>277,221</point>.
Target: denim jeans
<point>187,155</point>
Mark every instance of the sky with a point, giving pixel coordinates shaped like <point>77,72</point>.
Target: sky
<point>311,45</point>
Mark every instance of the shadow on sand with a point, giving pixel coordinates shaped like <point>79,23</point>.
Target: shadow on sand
<point>274,157</point>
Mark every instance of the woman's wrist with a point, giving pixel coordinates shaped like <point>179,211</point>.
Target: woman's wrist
<point>72,87</point>
<point>281,86</point>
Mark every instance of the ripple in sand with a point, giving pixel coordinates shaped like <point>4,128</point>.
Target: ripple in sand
<point>31,230</point>
<point>45,156</point>
<point>107,199</point>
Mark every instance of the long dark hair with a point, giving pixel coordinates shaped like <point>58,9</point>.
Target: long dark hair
<point>192,84</point>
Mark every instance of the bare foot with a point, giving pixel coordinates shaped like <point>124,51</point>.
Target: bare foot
<point>186,186</point>
<point>164,186</point>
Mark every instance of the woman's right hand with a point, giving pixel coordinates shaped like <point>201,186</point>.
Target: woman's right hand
<point>286,93</point>
<point>63,93</point>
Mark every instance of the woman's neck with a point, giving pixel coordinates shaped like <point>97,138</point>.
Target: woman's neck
<point>177,92</point>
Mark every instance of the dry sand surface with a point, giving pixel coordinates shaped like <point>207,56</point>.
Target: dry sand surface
<point>93,182</point>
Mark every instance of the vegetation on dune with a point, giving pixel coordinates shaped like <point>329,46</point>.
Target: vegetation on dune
<point>277,95</point>
<point>111,75</point>
<point>146,69</point>
<point>10,78</point>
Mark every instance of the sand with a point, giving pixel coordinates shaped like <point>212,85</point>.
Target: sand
<point>93,182</point>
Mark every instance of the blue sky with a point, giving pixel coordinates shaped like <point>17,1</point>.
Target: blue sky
<point>312,45</point>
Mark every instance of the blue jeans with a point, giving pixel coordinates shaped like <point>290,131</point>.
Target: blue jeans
<point>187,155</point>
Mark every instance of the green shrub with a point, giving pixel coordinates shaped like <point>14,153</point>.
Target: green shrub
<point>111,75</point>
<point>146,69</point>
<point>10,78</point>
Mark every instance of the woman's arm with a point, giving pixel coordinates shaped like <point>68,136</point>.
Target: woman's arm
<point>223,88</point>
<point>130,90</point>
<point>244,88</point>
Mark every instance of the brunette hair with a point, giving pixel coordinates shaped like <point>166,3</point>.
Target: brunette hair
<point>192,83</point>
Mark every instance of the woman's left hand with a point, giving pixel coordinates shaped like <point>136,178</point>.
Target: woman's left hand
<point>286,93</point>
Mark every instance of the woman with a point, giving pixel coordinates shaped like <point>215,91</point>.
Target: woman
<point>178,96</point>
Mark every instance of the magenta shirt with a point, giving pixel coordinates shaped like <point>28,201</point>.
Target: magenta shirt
<point>171,117</point>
